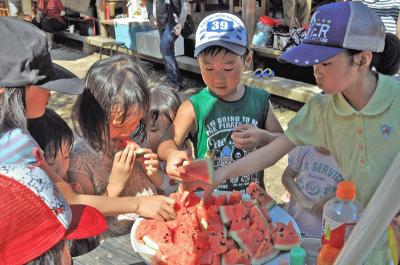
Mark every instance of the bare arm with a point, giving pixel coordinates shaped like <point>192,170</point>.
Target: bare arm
<point>168,150</point>
<point>272,126</point>
<point>398,26</point>
<point>257,160</point>
<point>159,207</point>
<point>295,192</point>
<point>184,122</point>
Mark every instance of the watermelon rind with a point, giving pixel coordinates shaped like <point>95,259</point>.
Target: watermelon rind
<point>263,260</point>
<point>150,243</point>
<point>225,219</point>
<point>286,247</point>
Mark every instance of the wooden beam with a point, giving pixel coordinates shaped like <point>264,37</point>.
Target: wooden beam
<point>249,11</point>
<point>283,87</point>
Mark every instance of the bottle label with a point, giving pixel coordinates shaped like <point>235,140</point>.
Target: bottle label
<point>335,233</point>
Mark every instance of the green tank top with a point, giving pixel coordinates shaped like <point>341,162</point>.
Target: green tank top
<point>215,121</point>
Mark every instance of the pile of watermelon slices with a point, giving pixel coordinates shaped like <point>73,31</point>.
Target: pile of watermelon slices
<point>225,230</point>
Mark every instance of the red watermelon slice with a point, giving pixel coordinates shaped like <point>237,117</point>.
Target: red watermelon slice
<point>202,169</point>
<point>286,237</point>
<point>235,257</point>
<point>265,252</point>
<point>259,194</point>
<point>248,239</point>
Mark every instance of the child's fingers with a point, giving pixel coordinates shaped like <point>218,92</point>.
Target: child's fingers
<point>169,208</point>
<point>124,153</point>
<point>164,214</point>
<point>242,127</point>
<point>150,155</point>
<point>130,158</point>
<point>117,156</point>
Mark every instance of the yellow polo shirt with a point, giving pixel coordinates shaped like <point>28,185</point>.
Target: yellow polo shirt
<point>363,143</point>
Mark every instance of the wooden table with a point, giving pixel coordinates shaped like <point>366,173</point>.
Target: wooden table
<point>119,251</point>
<point>113,251</point>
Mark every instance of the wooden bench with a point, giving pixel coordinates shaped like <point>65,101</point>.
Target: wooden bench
<point>184,62</point>
<point>283,87</point>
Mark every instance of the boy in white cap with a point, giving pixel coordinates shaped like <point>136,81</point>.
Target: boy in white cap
<point>226,120</point>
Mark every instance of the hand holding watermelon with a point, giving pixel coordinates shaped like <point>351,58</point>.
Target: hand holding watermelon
<point>174,159</point>
<point>121,170</point>
<point>156,207</point>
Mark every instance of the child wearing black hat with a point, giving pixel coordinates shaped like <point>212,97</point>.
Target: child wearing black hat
<point>27,75</point>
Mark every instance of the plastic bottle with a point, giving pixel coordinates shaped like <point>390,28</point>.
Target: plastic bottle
<point>297,256</point>
<point>327,255</point>
<point>340,215</point>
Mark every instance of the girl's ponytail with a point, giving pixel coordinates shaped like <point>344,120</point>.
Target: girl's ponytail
<point>388,61</point>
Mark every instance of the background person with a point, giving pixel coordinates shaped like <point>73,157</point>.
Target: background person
<point>170,18</point>
<point>49,18</point>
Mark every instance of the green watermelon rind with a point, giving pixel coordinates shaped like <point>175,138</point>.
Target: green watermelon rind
<point>286,247</point>
<point>262,215</point>
<point>263,260</point>
<point>234,235</point>
<point>224,217</point>
<point>150,243</point>
<point>269,205</point>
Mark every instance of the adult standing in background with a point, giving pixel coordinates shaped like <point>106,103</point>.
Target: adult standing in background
<point>299,9</point>
<point>49,18</point>
<point>389,12</point>
<point>170,18</point>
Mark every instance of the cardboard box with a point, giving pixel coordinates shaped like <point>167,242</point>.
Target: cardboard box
<point>126,29</point>
<point>148,43</point>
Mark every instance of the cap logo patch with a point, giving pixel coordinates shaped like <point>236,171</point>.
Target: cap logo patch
<point>319,29</point>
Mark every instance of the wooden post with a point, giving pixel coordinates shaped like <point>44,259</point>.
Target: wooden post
<point>100,6</point>
<point>264,7</point>
<point>249,19</point>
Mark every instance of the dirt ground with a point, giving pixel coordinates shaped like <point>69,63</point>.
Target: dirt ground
<point>72,59</point>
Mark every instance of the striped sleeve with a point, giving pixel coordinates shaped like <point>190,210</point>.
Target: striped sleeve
<point>17,147</point>
<point>387,10</point>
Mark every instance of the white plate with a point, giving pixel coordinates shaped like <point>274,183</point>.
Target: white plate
<point>277,214</point>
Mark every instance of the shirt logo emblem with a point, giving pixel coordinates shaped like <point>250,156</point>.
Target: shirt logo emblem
<point>386,131</point>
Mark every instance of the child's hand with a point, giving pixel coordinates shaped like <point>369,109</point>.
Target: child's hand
<point>306,203</point>
<point>150,162</point>
<point>156,207</point>
<point>248,137</point>
<point>76,186</point>
<point>318,208</point>
<point>121,170</point>
<point>175,159</point>
<point>192,185</point>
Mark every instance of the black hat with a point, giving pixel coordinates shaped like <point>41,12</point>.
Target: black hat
<point>25,59</point>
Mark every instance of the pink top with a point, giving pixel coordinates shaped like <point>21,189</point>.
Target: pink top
<point>51,9</point>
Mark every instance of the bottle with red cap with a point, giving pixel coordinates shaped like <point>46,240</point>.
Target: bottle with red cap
<point>340,215</point>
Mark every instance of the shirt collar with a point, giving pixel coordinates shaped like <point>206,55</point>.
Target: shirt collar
<point>379,102</point>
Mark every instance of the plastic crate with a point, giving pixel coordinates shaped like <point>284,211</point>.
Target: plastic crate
<point>126,29</point>
<point>148,43</point>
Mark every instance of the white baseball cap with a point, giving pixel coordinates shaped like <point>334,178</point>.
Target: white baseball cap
<point>221,29</point>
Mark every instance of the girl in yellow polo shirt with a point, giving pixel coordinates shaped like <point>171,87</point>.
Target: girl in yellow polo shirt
<point>357,119</point>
